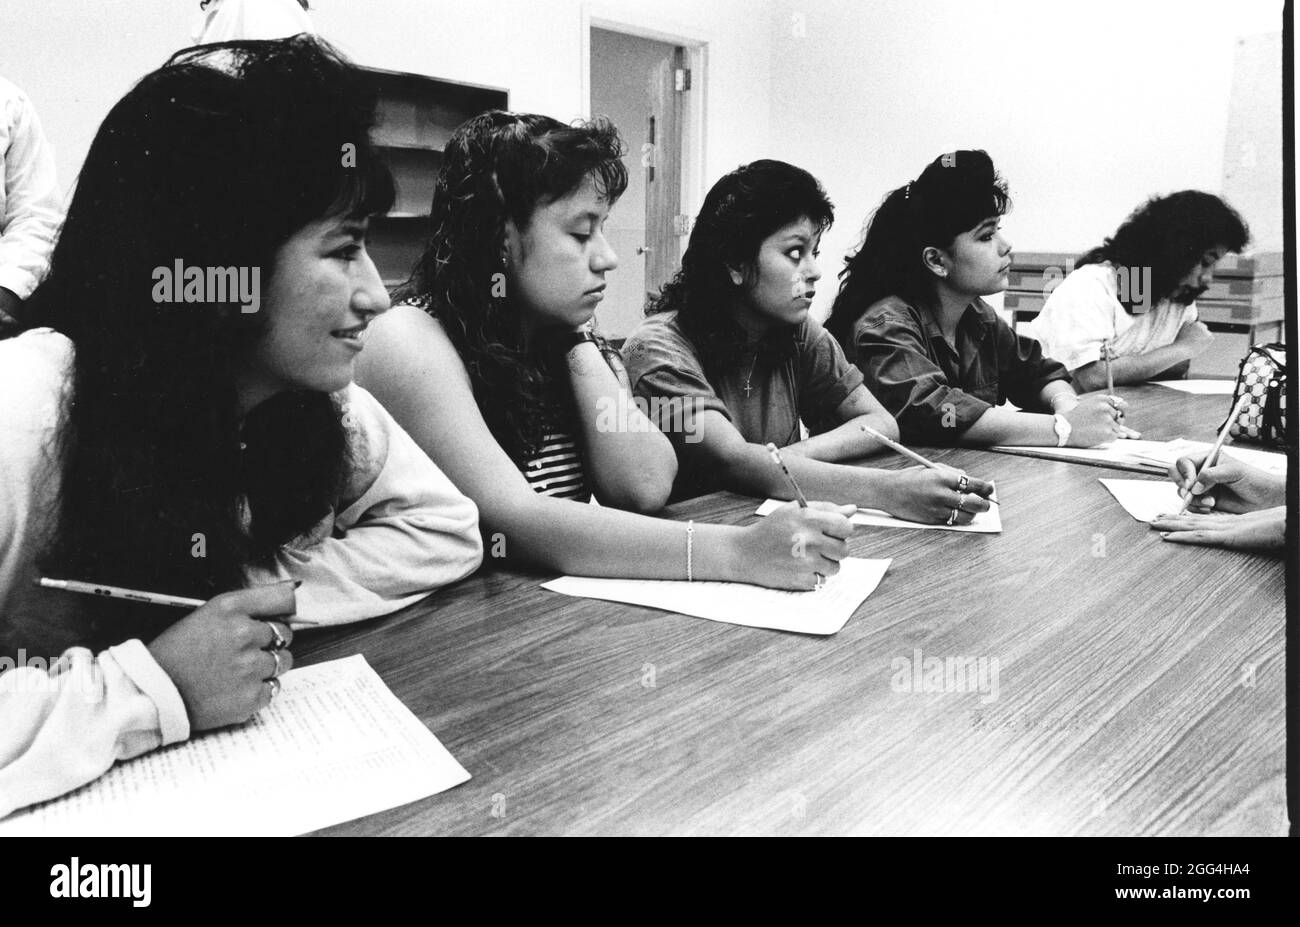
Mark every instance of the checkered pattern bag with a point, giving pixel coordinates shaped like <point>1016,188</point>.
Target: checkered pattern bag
<point>1263,378</point>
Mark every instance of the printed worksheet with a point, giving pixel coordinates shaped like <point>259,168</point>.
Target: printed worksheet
<point>336,745</point>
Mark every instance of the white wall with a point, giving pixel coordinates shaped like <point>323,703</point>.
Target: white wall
<point>1086,108</point>
<point>75,58</point>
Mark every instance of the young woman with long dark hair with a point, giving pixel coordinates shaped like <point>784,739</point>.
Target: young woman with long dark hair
<point>1136,292</point>
<point>910,314</point>
<point>732,333</point>
<point>187,425</point>
<point>493,368</point>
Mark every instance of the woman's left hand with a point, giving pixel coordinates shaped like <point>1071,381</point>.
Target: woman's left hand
<point>1262,530</point>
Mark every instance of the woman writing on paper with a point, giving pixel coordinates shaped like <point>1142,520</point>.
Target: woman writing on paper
<point>1233,504</point>
<point>494,369</point>
<point>199,436</point>
<point>910,314</point>
<point>732,334</point>
<point>1136,292</point>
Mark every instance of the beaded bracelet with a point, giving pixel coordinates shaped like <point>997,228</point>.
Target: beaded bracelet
<point>690,543</point>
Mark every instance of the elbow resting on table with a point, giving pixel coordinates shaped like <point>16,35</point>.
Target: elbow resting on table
<point>1088,378</point>
<point>747,469</point>
<point>884,423</point>
<point>644,498</point>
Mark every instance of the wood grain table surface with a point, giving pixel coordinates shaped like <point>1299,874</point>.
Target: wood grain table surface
<point>1140,684</point>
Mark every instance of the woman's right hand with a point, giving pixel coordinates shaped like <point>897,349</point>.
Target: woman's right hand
<point>790,547</point>
<point>929,496</point>
<point>219,656</point>
<point>1095,420</point>
<point>1230,485</point>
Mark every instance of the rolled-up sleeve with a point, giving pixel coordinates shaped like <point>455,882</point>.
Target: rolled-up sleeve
<point>66,725</point>
<point>1025,369</point>
<point>668,379</point>
<point>1078,316</point>
<point>890,349</point>
<point>826,380</point>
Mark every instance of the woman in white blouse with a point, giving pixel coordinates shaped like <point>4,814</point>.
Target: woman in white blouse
<point>1135,295</point>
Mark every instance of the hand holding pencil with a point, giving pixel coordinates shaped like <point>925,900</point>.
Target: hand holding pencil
<point>938,494</point>
<point>226,657</point>
<point>1225,484</point>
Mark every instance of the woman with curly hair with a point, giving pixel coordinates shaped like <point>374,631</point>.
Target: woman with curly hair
<point>183,440</point>
<point>1136,292</point>
<point>911,314</point>
<point>494,370</point>
<point>732,333</point>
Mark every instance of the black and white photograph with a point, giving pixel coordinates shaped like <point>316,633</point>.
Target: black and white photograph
<point>646,418</point>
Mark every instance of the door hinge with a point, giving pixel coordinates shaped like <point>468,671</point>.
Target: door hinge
<point>682,79</point>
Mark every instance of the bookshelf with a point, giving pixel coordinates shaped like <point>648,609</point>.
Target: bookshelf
<point>416,118</point>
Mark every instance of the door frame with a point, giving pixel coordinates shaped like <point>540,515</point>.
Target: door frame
<point>647,25</point>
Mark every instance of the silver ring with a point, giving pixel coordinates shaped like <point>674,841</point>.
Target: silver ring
<point>275,655</point>
<point>821,581</point>
<point>963,484</point>
<point>275,689</point>
<point>278,642</point>
<point>952,518</point>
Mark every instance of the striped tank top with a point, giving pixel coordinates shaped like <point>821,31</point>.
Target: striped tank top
<point>555,467</point>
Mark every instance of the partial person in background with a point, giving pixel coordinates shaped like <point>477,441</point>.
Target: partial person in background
<point>1137,292</point>
<point>494,369</point>
<point>732,334</point>
<point>31,204</point>
<point>236,20</point>
<point>186,424</point>
<point>911,314</point>
<point>1233,505</point>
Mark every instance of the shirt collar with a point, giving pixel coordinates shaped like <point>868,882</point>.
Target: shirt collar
<point>978,319</point>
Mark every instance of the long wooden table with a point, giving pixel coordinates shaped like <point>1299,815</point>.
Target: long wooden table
<point>1140,685</point>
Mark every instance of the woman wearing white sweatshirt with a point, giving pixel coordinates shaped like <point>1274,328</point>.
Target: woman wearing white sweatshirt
<point>187,423</point>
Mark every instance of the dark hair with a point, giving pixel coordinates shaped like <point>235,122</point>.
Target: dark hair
<point>216,159</point>
<point>1169,234</point>
<point>741,210</point>
<point>955,193</point>
<point>501,166</point>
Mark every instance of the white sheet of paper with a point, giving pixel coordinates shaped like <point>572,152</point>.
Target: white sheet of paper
<point>1126,452</point>
<point>989,522</point>
<point>1151,456</point>
<point>336,745</point>
<point>1269,461</point>
<point>824,611</point>
<point>1145,500</point>
<point>1200,387</point>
